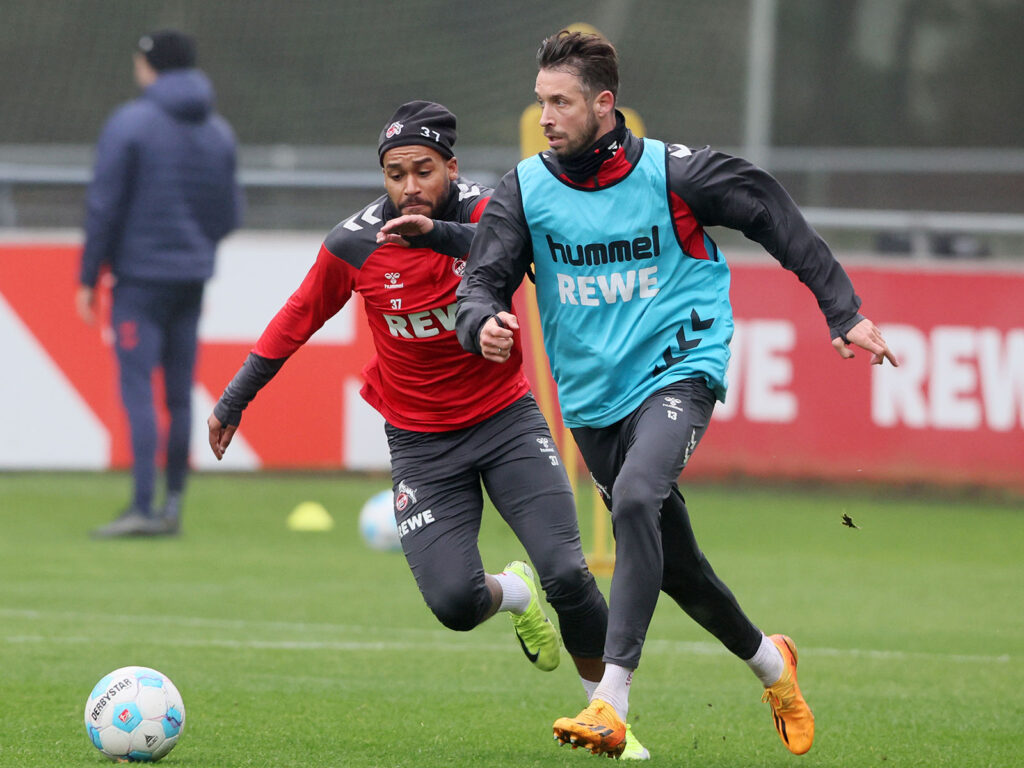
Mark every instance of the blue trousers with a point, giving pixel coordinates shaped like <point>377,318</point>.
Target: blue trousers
<point>156,325</point>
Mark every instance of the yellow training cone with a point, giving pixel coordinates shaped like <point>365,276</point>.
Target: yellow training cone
<point>310,516</point>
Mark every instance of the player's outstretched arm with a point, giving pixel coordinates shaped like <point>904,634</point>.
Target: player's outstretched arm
<point>254,374</point>
<point>865,335</point>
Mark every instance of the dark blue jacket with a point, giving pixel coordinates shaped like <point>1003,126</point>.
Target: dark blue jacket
<point>164,190</point>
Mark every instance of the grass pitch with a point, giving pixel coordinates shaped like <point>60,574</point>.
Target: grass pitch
<point>308,649</point>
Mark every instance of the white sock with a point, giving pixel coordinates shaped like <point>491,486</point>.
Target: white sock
<point>767,663</point>
<point>614,688</point>
<point>515,595</point>
<point>589,686</point>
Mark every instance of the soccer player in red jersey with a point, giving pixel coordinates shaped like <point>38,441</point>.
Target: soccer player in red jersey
<point>453,419</point>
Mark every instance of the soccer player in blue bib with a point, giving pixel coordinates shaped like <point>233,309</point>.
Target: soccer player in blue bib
<point>634,307</point>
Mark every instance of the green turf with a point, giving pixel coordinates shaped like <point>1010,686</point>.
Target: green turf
<point>307,649</point>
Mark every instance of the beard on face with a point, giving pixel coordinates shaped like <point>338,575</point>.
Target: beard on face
<point>418,201</point>
<point>586,137</point>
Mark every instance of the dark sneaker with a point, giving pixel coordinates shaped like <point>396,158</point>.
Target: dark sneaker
<point>170,515</point>
<point>132,523</point>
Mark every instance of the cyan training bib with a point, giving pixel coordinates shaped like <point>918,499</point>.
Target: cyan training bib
<point>624,310</point>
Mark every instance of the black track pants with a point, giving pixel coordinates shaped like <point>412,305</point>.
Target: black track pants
<point>637,462</point>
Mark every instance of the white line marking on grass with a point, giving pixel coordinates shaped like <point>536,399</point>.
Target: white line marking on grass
<point>437,639</point>
<point>271,645</point>
<point>714,649</point>
<point>246,625</point>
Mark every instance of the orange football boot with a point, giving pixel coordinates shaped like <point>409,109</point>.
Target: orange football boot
<point>597,728</point>
<point>793,718</point>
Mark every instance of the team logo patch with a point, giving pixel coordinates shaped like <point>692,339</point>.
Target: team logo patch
<point>459,267</point>
<point>393,130</point>
<point>404,497</point>
<point>672,404</point>
<point>548,446</point>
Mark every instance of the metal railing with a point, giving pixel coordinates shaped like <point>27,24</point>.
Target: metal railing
<point>354,168</point>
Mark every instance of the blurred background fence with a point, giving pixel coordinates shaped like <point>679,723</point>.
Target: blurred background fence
<point>860,106</point>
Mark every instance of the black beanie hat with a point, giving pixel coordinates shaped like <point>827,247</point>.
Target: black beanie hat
<point>419,122</point>
<point>168,49</point>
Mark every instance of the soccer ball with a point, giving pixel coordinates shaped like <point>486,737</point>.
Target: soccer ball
<point>134,714</point>
<point>377,522</point>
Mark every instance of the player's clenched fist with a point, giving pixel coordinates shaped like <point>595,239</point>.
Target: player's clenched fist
<point>497,338</point>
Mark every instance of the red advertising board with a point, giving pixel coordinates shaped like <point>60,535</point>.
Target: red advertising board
<point>952,413</point>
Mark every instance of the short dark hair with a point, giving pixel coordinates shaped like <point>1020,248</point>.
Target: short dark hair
<point>591,58</point>
<point>168,49</point>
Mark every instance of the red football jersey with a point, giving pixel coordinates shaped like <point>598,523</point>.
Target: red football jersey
<point>420,377</point>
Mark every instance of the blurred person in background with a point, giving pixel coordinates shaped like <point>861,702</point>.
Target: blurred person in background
<point>164,193</point>
<point>634,306</point>
<point>453,420</point>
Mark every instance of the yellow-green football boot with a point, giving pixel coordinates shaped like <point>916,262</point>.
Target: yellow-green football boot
<point>634,750</point>
<point>535,632</point>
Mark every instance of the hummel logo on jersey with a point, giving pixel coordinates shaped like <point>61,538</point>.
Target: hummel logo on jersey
<point>615,252</point>
<point>393,130</point>
<point>366,215</point>
<point>672,403</point>
<point>684,344</point>
<point>548,446</point>
<point>593,290</point>
<point>392,280</point>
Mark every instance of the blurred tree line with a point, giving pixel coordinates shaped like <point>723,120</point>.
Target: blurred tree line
<point>900,73</point>
<point>847,72</point>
